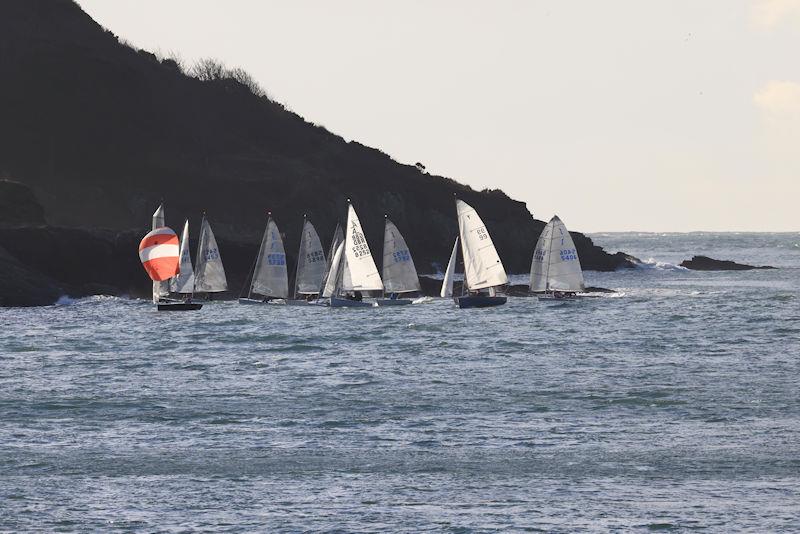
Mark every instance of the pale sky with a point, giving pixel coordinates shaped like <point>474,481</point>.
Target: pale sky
<point>671,115</point>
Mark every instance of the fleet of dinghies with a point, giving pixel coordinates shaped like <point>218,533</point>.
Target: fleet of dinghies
<point>348,275</point>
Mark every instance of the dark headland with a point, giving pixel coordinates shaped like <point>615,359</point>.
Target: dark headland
<point>95,133</point>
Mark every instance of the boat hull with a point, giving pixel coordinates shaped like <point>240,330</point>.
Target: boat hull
<point>479,301</point>
<point>393,302</point>
<point>347,303</point>
<point>179,306</point>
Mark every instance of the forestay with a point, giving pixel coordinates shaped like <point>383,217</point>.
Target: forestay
<point>333,274</point>
<point>555,264</point>
<point>360,272</point>
<point>209,276</point>
<point>311,265</point>
<point>184,282</point>
<point>269,276</point>
<point>447,282</point>
<point>482,265</point>
<point>399,272</point>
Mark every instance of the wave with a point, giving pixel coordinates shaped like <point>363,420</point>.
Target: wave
<point>66,300</point>
<point>652,263</point>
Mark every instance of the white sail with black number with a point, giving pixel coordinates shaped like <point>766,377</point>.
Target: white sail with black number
<point>447,282</point>
<point>555,265</point>
<point>359,272</point>
<point>209,275</point>
<point>399,272</point>
<point>269,275</point>
<point>184,282</point>
<point>311,266</point>
<point>482,266</point>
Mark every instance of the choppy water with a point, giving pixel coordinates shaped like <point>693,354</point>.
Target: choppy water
<point>673,406</point>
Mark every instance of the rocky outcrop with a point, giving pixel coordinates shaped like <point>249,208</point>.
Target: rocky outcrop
<point>704,263</point>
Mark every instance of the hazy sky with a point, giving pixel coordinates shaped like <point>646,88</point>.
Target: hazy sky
<point>617,115</point>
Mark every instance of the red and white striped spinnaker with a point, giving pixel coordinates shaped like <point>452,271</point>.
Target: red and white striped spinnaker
<point>160,254</point>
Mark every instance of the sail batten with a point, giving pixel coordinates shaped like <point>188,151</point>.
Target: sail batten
<point>482,265</point>
<point>555,265</point>
<point>399,272</point>
<point>209,276</point>
<point>270,277</point>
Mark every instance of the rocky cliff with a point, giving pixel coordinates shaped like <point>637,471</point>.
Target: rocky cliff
<point>96,133</point>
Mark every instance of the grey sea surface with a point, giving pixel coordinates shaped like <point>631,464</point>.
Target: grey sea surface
<point>673,405</point>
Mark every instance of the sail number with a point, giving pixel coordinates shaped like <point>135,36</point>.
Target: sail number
<point>538,254</point>
<point>276,259</point>
<point>482,233</point>
<point>401,255</point>
<point>211,254</point>
<point>315,256</point>
<point>360,247</point>
<point>569,254</point>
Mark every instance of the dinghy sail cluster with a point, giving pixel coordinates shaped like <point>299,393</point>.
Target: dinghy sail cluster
<point>348,274</point>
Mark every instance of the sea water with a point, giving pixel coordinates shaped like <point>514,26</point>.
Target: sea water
<point>673,404</point>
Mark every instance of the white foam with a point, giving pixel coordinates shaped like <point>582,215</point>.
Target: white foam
<point>652,263</point>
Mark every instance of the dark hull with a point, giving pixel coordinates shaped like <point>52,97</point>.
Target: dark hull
<point>179,306</point>
<point>480,301</point>
<point>347,303</point>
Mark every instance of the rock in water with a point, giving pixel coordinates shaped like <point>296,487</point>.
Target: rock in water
<point>704,263</point>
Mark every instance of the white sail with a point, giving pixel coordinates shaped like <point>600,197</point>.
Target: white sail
<point>311,265</point>
<point>447,282</point>
<point>399,272</point>
<point>555,264</point>
<point>338,239</point>
<point>269,276</point>
<point>184,282</point>
<point>360,272</point>
<point>333,274</point>
<point>482,265</point>
<point>160,289</point>
<point>209,275</point>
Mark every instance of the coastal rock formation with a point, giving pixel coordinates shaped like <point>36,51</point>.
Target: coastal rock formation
<point>100,133</point>
<point>704,263</point>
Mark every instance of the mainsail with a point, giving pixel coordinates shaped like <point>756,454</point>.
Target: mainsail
<point>311,267</point>
<point>209,276</point>
<point>555,264</point>
<point>482,265</point>
<point>447,282</point>
<point>333,275</point>
<point>360,272</point>
<point>269,276</point>
<point>160,289</point>
<point>399,272</point>
<point>184,282</point>
<point>338,239</point>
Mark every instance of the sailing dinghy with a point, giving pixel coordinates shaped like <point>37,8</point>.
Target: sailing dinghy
<point>310,271</point>
<point>555,268</point>
<point>483,269</point>
<point>209,274</point>
<point>399,273</point>
<point>183,283</point>
<point>159,253</point>
<point>270,280</point>
<point>353,269</point>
